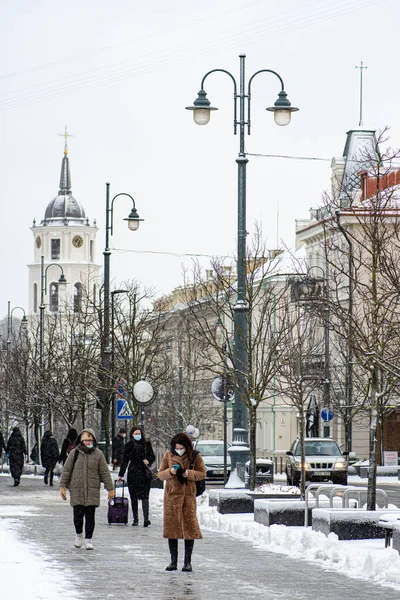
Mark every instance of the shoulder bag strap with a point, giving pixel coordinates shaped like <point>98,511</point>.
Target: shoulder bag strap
<point>75,459</point>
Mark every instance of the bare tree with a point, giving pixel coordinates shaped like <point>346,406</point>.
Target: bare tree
<point>362,250</point>
<point>210,300</point>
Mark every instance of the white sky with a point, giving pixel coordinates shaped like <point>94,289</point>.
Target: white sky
<point>27,562</point>
<point>120,75</point>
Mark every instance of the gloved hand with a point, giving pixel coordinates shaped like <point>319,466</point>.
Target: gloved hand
<point>111,494</point>
<point>63,493</point>
<point>179,474</point>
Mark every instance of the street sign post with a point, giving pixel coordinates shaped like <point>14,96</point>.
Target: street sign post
<point>327,414</point>
<point>123,411</point>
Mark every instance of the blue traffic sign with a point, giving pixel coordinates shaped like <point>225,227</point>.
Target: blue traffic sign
<point>327,414</point>
<point>123,410</point>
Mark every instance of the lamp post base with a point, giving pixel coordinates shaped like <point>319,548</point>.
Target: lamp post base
<point>239,453</point>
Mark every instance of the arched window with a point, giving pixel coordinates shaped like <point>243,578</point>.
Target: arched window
<point>77,297</point>
<point>35,306</point>
<point>53,297</point>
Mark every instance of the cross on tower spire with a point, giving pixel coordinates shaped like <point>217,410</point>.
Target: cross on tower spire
<point>361,67</point>
<point>65,135</point>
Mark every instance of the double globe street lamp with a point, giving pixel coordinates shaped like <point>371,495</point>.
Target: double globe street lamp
<point>282,110</point>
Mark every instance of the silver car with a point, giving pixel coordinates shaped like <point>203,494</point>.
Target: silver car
<point>212,452</point>
<point>324,461</point>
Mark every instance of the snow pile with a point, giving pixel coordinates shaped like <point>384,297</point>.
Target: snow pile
<point>270,488</point>
<point>26,571</point>
<point>365,559</point>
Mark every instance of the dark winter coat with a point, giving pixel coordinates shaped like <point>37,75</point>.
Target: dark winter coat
<point>180,520</point>
<point>118,447</point>
<point>2,444</point>
<point>49,452</point>
<point>16,449</point>
<point>134,455</point>
<point>84,476</point>
<point>68,445</point>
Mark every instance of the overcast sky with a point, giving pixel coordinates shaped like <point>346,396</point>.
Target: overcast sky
<point>120,74</point>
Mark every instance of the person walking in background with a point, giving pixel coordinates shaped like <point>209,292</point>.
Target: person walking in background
<point>68,444</point>
<point>84,471</point>
<point>118,447</point>
<point>16,450</point>
<point>49,454</point>
<point>181,467</point>
<point>138,456</point>
<point>2,445</point>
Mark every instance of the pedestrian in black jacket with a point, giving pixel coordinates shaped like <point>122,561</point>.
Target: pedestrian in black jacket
<point>138,455</point>
<point>118,447</point>
<point>49,454</point>
<point>2,444</point>
<point>68,444</point>
<point>16,449</point>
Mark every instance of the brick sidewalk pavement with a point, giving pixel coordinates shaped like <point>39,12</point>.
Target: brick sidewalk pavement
<point>129,562</point>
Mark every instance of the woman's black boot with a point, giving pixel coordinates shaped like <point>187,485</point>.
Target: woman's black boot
<point>135,512</point>
<point>187,565</point>
<point>173,550</point>
<point>145,506</point>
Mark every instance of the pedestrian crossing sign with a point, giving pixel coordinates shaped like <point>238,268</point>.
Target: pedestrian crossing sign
<point>123,410</point>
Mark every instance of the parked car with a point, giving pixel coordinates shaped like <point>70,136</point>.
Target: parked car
<point>324,461</point>
<point>212,452</point>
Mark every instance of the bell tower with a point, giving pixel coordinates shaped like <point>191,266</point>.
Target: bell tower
<point>65,238</point>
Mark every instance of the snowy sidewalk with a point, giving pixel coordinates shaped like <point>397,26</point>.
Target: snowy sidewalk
<point>235,558</point>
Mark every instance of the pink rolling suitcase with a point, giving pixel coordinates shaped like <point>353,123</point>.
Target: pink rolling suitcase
<point>118,508</point>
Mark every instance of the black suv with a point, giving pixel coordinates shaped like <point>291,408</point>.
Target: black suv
<point>324,461</point>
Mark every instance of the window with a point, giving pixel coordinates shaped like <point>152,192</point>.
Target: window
<point>55,249</point>
<point>53,297</point>
<point>35,306</point>
<point>77,297</point>
<point>91,244</point>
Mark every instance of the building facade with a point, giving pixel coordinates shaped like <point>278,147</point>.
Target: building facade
<point>64,238</point>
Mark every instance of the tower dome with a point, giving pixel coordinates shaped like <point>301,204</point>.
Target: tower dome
<point>64,208</point>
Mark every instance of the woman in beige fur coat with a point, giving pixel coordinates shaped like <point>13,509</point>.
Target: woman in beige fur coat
<point>180,520</point>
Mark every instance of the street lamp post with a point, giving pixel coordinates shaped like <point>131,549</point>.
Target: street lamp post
<point>349,366</point>
<point>180,385</point>
<point>43,288</point>
<point>113,293</point>
<point>24,323</point>
<point>133,224</point>
<point>282,110</point>
<point>326,381</point>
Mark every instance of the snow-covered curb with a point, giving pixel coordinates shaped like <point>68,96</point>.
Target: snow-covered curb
<point>365,559</point>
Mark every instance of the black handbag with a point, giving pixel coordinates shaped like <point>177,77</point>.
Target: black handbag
<point>200,485</point>
<point>148,474</point>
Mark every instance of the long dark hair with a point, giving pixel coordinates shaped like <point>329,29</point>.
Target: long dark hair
<point>137,428</point>
<point>72,435</point>
<point>183,440</point>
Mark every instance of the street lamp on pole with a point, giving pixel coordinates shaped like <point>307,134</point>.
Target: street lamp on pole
<point>282,110</point>
<point>43,289</point>
<point>24,324</point>
<point>133,224</point>
<point>326,380</point>
<point>349,365</point>
<point>113,293</point>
